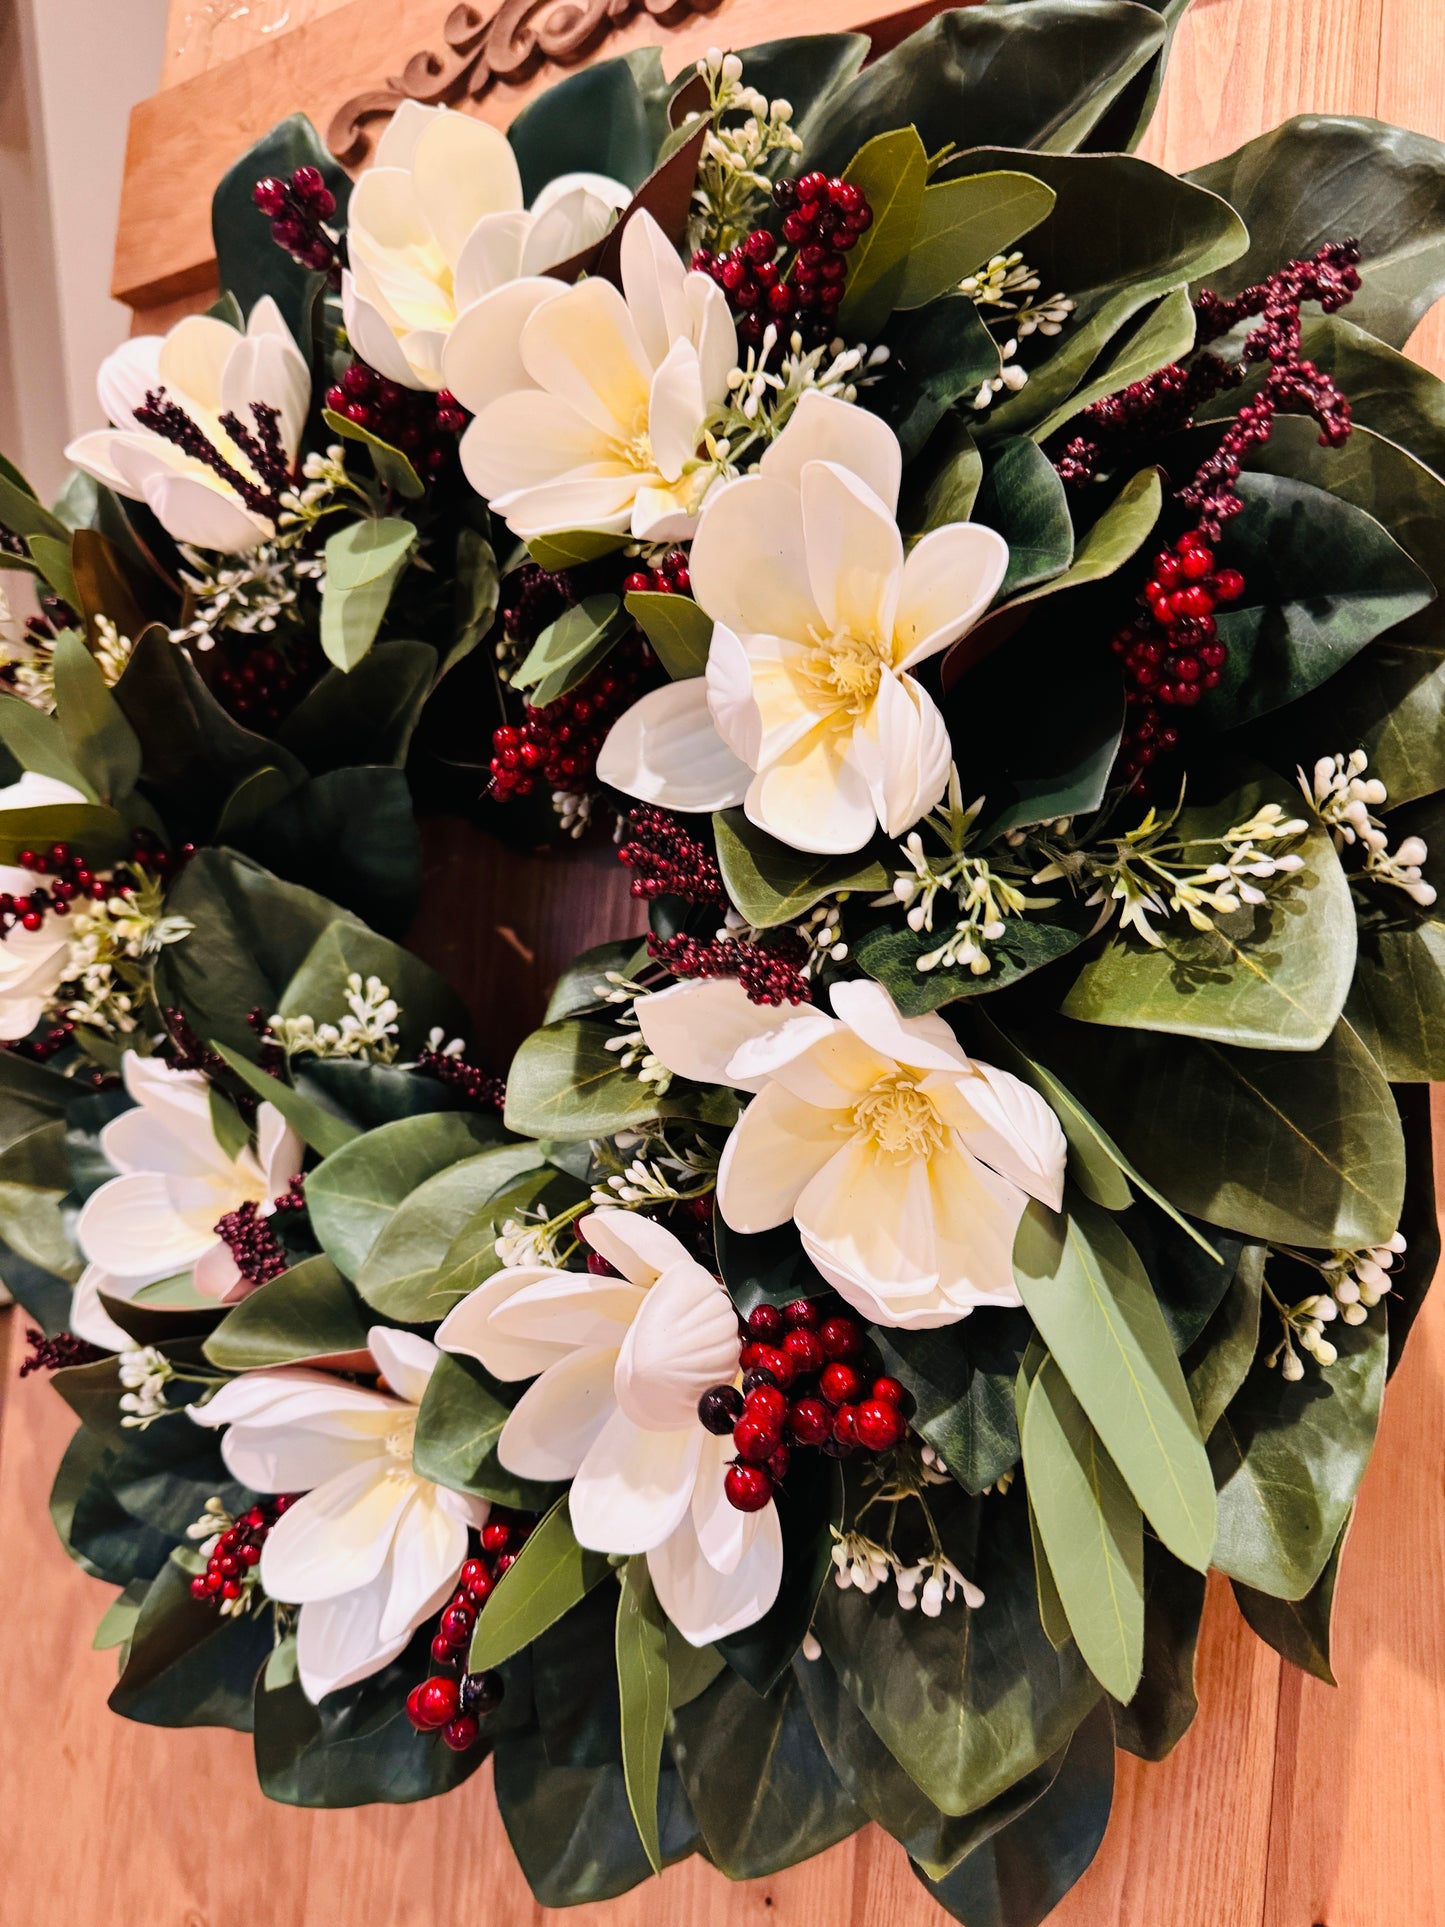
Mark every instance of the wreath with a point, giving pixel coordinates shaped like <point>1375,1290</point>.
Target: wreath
<point>988,586</point>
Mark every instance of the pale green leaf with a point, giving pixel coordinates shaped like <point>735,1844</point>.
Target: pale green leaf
<point>551,1574</point>
<point>680,632</point>
<point>363,564</point>
<point>963,224</point>
<point>642,1680</point>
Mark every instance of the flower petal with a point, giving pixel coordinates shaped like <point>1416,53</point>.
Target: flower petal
<point>94,454</point>
<point>89,1318</point>
<point>813,797</point>
<point>584,348</point>
<point>777,1147</point>
<point>683,1340</point>
<point>666,750</point>
<point>273,1459</point>
<point>191,361</point>
<point>824,429</point>
<point>696,1029</point>
<point>337,1536</point>
<point>405,1360</point>
<point>279,1149</point>
<point>193,511</point>
<point>217,1276</point>
<point>1005,1123</point>
<point>127,376</point>
<point>581,1307</point>
<point>463,169</point>
<point>722,1531</point>
<point>768,593</point>
<point>471,1327</point>
<point>730,700</point>
<point>268,366</point>
<point>676,409</point>
<point>867,1216</point>
<point>557,1419</point>
<point>638,1248</point>
<point>855,553</point>
<point>949,579</point>
<point>903,753</point>
<point>338,1641</point>
<point>654,283</point>
<point>975,1217</point>
<point>634,1487</point>
<point>491,259</point>
<point>705,1604</point>
<point>141,1225</point>
<point>922,1043</point>
<point>426,1555</point>
<point>563,224</point>
<point>371,334</point>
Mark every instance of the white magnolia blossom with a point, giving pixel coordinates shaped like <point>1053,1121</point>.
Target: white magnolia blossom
<point>177,1181</point>
<point>373,1549</point>
<point>620,1363</point>
<point>809,714</point>
<point>590,404</point>
<point>905,1164</point>
<point>32,962</point>
<point>207,368</point>
<point>438,223</point>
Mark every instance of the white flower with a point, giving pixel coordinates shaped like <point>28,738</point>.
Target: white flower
<point>437,223</point>
<point>905,1164</point>
<point>159,1217</point>
<point>808,714</point>
<point>373,1549</point>
<point>32,962</point>
<point>207,369</point>
<point>590,404</point>
<point>620,1364</point>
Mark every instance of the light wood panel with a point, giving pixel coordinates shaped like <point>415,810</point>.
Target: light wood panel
<point>1287,1805</point>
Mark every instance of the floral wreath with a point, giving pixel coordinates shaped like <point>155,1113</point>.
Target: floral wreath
<point>988,584</point>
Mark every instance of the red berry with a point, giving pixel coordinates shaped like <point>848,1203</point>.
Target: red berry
<point>1229,585</point>
<point>199,1589</point>
<point>778,1464</point>
<point>461,1732</point>
<point>505,1563</point>
<point>768,1405</point>
<point>496,1537</point>
<point>843,1425</point>
<point>442,1650</point>
<point>876,1425</point>
<point>719,1409</point>
<point>471,1572</point>
<point>805,1350</point>
<point>747,1487</point>
<point>756,1438</point>
<point>436,1701</point>
<point>1167,571</point>
<point>840,1384</point>
<point>765,1324</point>
<point>1195,564</point>
<point>889,1391</point>
<point>810,1422</point>
<point>801,1315</point>
<point>841,1337</point>
<point>456,1624</point>
<point>779,1363</point>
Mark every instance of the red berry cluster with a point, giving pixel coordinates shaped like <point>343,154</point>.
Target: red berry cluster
<point>666,861</point>
<point>422,425</point>
<point>455,1702</point>
<point>296,210</point>
<point>67,875</point>
<point>238,1551</point>
<point>671,576</point>
<point>558,744</point>
<point>822,220</point>
<point>55,1354</point>
<point>259,1254</point>
<point>770,970</point>
<point>261,686</point>
<point>41,1049</point>
<point>1172,653</point>
<point>477,1086</point>
<point>802,1387</point>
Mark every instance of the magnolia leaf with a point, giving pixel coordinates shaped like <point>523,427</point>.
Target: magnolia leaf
<point>24,514</point>
<point>942,485</point>
<point>366,715</point>
<point>363,564</point>
<point>1052,1617</point>
<point>1163,1708</point>
<point>963,224</point>
<point>1299,1629</point>
<point>1084,1287</point>
<point>552,1572</point>
<point>960,1379</point>
<point>100,741</point>
<point>1120,532</point>
<point>565,1083</point>
<point>679,631</point>
<point>570,648</point>
<point>1272,975</point>
<point>457,1428</point>
<point>352,1194</point>
<point>571,550</point>
<point>37,743</point>
<point>642,1679</point>
<point>1022,497</point>
<point>772,884</point>
<point>891,169</point>
<point>184,1664</point>
<point>319,1127</point>
<point>1218,1362</point>
<point>399,1276</point>
<point>478,590</point>
<point>1092,1530</point>
<point>472,1256</point>
<point>309,1312</point>
<point>393,469</point>
<point>937,356</point>
<point>100,833</point>
<point>52,558</point>
<point>1158,336</point>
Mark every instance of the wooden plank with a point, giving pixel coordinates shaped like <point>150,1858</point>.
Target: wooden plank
<point>182,140</point>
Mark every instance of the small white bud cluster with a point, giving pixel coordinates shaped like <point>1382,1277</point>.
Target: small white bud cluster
<point>629,1042</point>
<point>369,1032</point>
<point>1358,1280</point>
<point>862,1565</point>
<point>145,1373</point>
<point>1344,798</point>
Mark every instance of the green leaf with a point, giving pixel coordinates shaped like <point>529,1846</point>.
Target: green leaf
<point>942,484</point>
<point>1288,1460</point>
<point>1120,532</point>
<point>565,1083</point>
<point>1397,1000</point>
<point>472,1255</point>
<point>772,884</point>
<point>1160,335</point>
<point>37,742</point>
<point>1037,76</point>
<point>352,1194</point>
<point>52,558</point>
<point>351,832</point>
<point>101,742</point>
<point>891,169</point>
<point>765,1267</point>
<point>1299,1629</point>
<point>1084,1287</point>
<point>1092,1530</point>
<point>118,1622</point>
<point>24,514</point>
<point>347,948</point>
<point>551,1574</point>
<point>1323,579</point>
<point>571,550</point>
<point>961,1379</point>
<point>1162,1710</point>
<point>937,356</point>
<point>363,563</point>
<point>891,955</point>
<point>1321,176</point>
<point>642,1678</point>
<point>185,1664</point>
<point>248,261</point>
<point>461,1418</point>
<point>607,119</point>
<point>1218,1362</point>
<point>1296,1147</point>
<point>399,1276</point>
<point>319,1127</point>
<point>679,631</point>
<point>1392,396</point>
<point>478,590</point>
<point>393,469</point>
<point>1022,497</point>
<point>309,1312</point>
<point>970,1702</point>
<point>576,990</point>
<point>810,1506</point>
<point>366,716</point>
<point>758,1780</point>
<point>963,224</point>
<point>99,833</point>
<point>1269,976</point>
<point>570,648</point>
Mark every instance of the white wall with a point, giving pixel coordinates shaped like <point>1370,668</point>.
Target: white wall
<point>70,72</point>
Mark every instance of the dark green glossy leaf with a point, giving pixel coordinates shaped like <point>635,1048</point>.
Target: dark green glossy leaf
<point>472,1255</point>
<point>764,1267</point>
<point>1413,1273</point>
<point>457,1428</point>
<point>1120,532</point>
<point>583,984</point>
<point>1298,1629</point>
<point>941,485</point>
<point>1218,1362</point>
<point>961,1379</point>
<point>352,1194</point>
<point>1162,1710</point>
<point>309,1312</point>
<point>937,356</point>
<point>551,1574</point>
<point>809,1503</point>
<point>351,833</point>
<point>101,742</point>
<point>772,884</point>
<point>642,1683</point>
<point>1151,340</point>
<point>366,716</point>
<point>1022,497</point>
<point>892,956</point>
<point>186,1665</point>
<point>346,948</point>
<point>608,119</point>
<point>316,1123</point>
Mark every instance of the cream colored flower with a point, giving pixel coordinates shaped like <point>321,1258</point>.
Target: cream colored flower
<point>905,1164</point>
<point>620,1363</point>
<point>437,223</point>
<point>158,1218</point>
<point>809,714</point>
<point>373,1549</point>
<point>206,369</point>
<point>32,962</point>
<point>590,404</point>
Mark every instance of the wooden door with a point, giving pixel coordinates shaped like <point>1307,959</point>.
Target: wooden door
<point>1288,1805</point>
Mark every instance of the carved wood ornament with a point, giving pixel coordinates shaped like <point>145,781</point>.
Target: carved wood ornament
<point>480,49</point>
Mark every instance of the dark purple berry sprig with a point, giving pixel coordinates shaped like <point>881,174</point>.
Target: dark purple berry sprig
<point>297,210</point>
<point>666,861</point>
<point>484,1089</point>
<point>770,971</point>
<point>57,1353</point>
<point>424,426</point>
<point>249,1237</point>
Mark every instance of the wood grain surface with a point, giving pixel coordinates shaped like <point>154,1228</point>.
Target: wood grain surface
<point>1288,1805</point>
